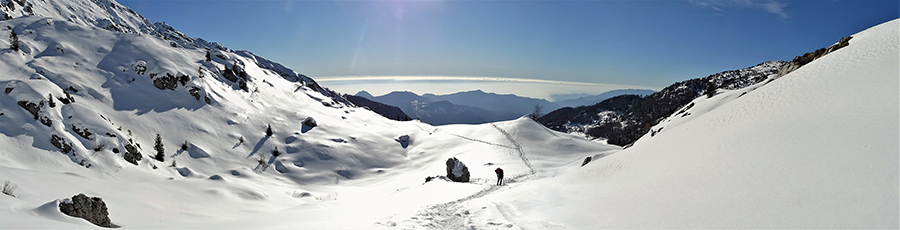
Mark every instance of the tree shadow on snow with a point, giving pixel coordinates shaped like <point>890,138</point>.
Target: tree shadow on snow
<point>403,144</point>
<point>259,145</point>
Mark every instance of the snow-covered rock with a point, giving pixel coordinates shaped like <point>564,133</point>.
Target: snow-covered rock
<point>92,209</point>
<point>457,171</point>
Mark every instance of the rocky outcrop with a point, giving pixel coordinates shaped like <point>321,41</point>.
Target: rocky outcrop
<point>228,74</point>
<point>92,209</point>
<point>457,171</point>
<point>168,82</point>
<point>132,155</point>
<point>806,58</point>
<point>60,143</point>
<point>31,107</point>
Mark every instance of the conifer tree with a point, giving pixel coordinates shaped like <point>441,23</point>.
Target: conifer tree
<point>160,151</point>
<point>13,40</point>
<point>52,102</point>
<point>268,130</point>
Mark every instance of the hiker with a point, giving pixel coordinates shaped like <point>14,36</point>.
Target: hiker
<point>499,176</point>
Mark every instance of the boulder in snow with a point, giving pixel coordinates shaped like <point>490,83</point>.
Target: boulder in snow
<point>457,171</point>
<point>309,121</point>
<point>132,155</point>
<point>92,209</point>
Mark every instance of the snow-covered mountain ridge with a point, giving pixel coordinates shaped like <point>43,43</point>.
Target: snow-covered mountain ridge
<point>624,119</point>
<point>112,16</point>
<point>808,150</point>
<point>82,108</point>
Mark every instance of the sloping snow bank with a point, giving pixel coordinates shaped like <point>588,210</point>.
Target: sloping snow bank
<point>817,148</point>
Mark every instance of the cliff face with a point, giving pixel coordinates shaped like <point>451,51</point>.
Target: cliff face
<point>799,61</point>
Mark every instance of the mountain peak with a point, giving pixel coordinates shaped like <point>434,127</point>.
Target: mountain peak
<point>365,94</point>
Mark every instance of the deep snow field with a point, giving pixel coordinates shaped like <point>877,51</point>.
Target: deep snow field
<point>816,148</point>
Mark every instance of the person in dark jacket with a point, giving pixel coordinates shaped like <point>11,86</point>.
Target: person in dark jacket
<point>499,176</point>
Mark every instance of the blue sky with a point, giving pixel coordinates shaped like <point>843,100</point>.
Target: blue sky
<point>616,44</point>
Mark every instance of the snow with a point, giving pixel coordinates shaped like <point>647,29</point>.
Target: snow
<point>816,148</point>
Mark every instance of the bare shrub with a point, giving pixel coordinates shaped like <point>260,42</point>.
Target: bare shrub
<point>9,188</point>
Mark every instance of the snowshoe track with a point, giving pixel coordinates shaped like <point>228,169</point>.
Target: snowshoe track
<point>451,215</point>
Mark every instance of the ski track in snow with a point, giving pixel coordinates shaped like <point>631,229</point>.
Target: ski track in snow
<point>481,141</point>
<point>451,215</point>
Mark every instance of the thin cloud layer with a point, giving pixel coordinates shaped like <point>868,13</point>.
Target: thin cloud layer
<point>449,78</point>
<point>536,88</point>
<point>774,7</point>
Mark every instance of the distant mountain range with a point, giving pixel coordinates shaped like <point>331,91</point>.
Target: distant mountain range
<point>594,99</point>
<point>476,107</point>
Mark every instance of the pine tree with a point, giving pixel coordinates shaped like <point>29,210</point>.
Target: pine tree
<point>275,152</point>
<point>160,151</point>
<point>13,40</point>
<point>207,56</point>
<point>710,89</point>
<point>184,146</point>
<point>268,130</point>
<point>52,102</point>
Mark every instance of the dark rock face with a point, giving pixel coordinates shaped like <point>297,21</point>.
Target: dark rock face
<point>92,209</point>
<point>168,82</point>
<point>228,74</point>
<point>60,143</point>
<point>132,155</point>
<point>82,132</point>
<point>806,58</point>
<point>195,92</point>
<point>31,107</point>
<point>586,161</point>
<point>457,171</point>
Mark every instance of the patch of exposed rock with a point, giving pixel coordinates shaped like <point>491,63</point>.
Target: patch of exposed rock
<point>92,209</point>
<point>806,58</point>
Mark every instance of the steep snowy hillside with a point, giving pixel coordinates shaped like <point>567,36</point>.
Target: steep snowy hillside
<point>83,107</point>
<point>816,148</point>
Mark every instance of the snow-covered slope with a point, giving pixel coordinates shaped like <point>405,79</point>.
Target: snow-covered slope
<point>811,149</point>
<point>817,148</point>
<point>78,100</point>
